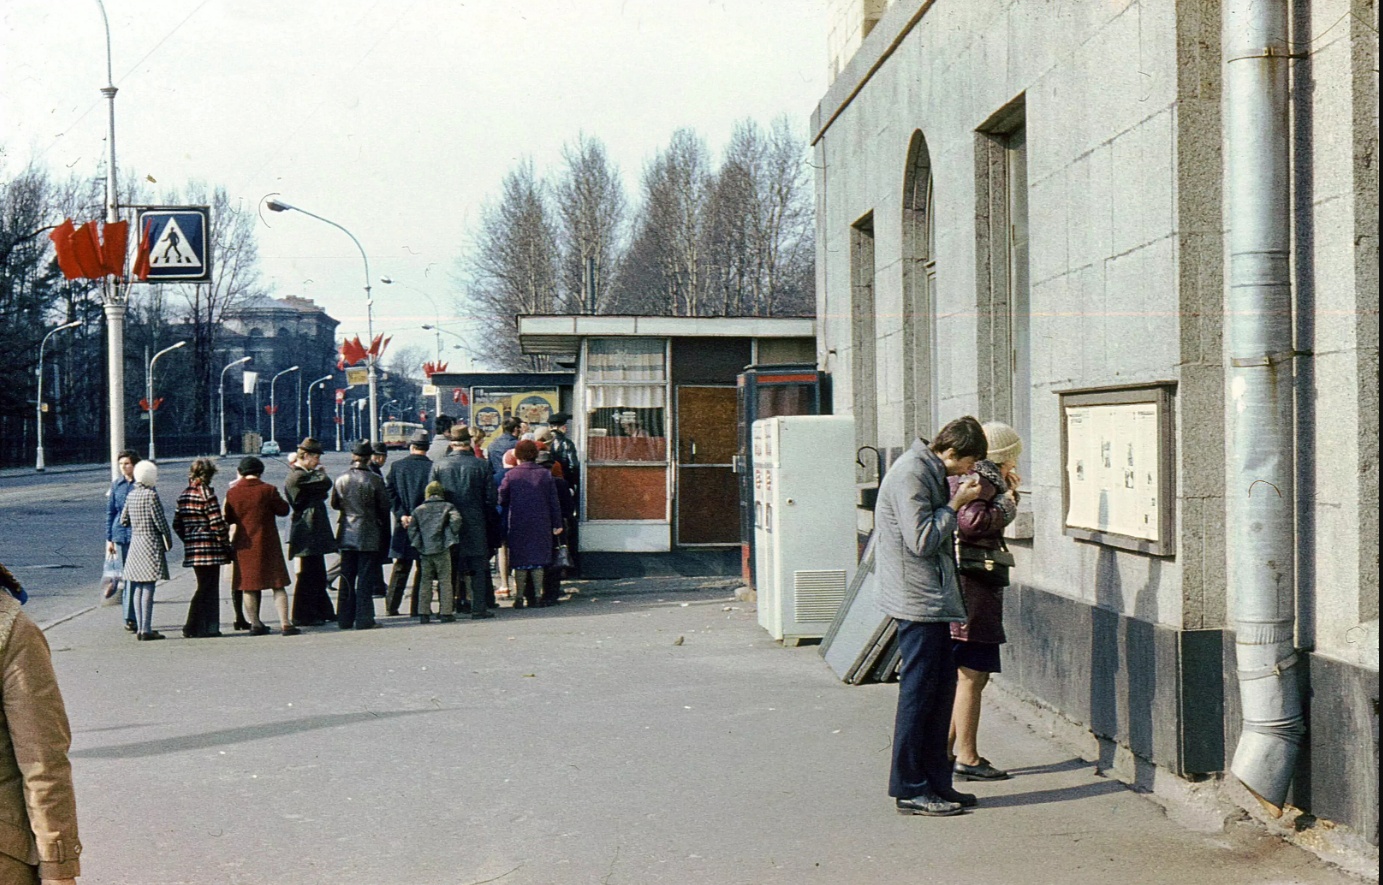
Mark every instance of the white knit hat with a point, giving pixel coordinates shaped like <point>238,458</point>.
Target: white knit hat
<point>1004,442</point>
<point>146,473</point>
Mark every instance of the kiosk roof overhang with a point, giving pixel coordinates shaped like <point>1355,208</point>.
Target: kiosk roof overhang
<point>561,335</point>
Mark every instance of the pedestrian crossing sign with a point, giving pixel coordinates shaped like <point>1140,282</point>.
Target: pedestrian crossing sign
<point>174,243</point>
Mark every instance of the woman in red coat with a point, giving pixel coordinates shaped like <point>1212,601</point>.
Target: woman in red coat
<point>252,506</point>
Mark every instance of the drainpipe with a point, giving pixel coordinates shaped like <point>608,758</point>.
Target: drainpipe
<point>1261,494</point>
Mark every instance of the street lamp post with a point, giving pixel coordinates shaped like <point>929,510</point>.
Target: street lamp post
<point>436,311</point>
<point>273,403</point>
<point>114,306</point>
<point>308,403</point>
<point>149,393</point>
<point>222,390</point>
<point>38,403</point>
<point>371,358</point>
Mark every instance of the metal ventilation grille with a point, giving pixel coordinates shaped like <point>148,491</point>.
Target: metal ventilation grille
<point>818,594</point>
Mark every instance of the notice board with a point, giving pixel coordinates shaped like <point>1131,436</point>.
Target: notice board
<point>1118,466</point>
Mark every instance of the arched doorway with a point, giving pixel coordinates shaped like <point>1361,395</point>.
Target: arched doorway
<point>920,376</point>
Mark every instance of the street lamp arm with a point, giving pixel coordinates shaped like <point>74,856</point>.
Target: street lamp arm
<point>281,206</point>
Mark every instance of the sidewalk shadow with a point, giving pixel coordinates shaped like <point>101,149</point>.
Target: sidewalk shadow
<point>1064,794</point>
<point>1075,763</point>
<point>227,736</point>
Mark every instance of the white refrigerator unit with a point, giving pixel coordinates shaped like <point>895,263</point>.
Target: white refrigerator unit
<point>804,522</point>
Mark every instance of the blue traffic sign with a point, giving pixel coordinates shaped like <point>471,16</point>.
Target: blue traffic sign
<point>174,244</point>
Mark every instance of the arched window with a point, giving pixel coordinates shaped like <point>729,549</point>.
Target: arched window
<point>921,380</point>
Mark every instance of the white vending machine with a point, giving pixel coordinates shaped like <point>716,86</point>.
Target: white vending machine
<point>804,522</point>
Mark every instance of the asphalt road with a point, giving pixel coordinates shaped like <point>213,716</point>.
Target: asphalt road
<point>52,527</point>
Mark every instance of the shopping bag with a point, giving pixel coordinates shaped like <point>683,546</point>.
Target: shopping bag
<point>111,577</point>
<point>561,557</point>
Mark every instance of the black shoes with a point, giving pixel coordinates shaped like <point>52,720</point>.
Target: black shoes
<point>964,800</point>
<point>131,627</point>
<point>242,625</point>
<point>928,805</point>
<point>447,619</point>
<point>370,626</point>
<point>424,619</point>
<point>291,630</point>
<point>260,630</point>
<point>149,637</point>
<point>981,772</point>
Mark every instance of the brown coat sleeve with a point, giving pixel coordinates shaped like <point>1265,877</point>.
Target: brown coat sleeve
<point>41,736</point>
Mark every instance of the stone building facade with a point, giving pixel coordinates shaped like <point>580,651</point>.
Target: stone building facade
<point>1020,202</point>
<point>280,333</point>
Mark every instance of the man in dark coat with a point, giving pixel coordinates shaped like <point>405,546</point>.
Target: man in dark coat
<point>468,485</point>
<point>310,537</point>
<point>362,535</point>
<point>407,487</point>
<point>552,577</point>
<point>379,456</point>
<point>501,444</point>
<point>564,451</point>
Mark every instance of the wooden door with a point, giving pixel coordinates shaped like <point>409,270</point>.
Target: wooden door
<point>707,491</point>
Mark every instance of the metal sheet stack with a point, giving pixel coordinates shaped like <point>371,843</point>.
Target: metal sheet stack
<point>862,643</point>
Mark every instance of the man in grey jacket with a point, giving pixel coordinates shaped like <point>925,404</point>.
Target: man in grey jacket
<point>915,527</point>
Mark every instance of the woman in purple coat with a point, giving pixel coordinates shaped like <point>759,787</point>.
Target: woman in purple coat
<point>529,495</point>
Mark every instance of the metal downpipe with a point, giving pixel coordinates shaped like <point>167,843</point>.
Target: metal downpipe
<point>1260,375</point>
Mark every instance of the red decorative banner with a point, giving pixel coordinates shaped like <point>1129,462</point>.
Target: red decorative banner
<point>144,403</point>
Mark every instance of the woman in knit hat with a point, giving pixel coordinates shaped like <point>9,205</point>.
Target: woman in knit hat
<point>150,540</point>
<point>983,572</point>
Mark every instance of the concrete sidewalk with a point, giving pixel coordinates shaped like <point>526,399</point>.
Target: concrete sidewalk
<point>642,732</point>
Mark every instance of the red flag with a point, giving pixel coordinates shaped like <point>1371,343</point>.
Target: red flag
<point>352,351</point>
<point>271,410</point>
<point>62,246</point>
<point>86,250</point>
<point>116,237</point>
<point>141,258</point>
<point>340,394</point>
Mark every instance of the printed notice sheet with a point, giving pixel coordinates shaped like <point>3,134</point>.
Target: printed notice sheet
<point>1112,469</point>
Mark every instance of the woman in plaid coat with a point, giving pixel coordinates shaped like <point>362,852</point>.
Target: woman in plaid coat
<point>149,540</point>
<point>206,547</point>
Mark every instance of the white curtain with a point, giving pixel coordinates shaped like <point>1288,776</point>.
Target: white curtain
<point>625,359</point>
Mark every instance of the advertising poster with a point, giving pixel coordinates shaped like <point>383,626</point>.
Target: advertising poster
<point>491,405</point>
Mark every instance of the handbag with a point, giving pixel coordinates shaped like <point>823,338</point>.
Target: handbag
<point>982,563</point>
<point>561,557</point>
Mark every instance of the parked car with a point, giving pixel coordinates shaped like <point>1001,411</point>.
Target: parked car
<point>269,447</point>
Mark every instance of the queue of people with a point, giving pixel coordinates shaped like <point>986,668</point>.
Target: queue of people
<point>438,515</point>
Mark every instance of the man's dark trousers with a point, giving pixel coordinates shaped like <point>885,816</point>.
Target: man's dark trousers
<point>472,572</point>
<point>398,581</point>
<point>926,693</point>
<point>355,603</point>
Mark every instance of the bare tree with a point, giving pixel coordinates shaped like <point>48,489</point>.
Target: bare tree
<point>667,249</point>
<point>591,209</point>
<point>758,222</point>
<point>512,269</point>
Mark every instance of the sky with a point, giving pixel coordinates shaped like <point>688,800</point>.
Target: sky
<point>396,119</point>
